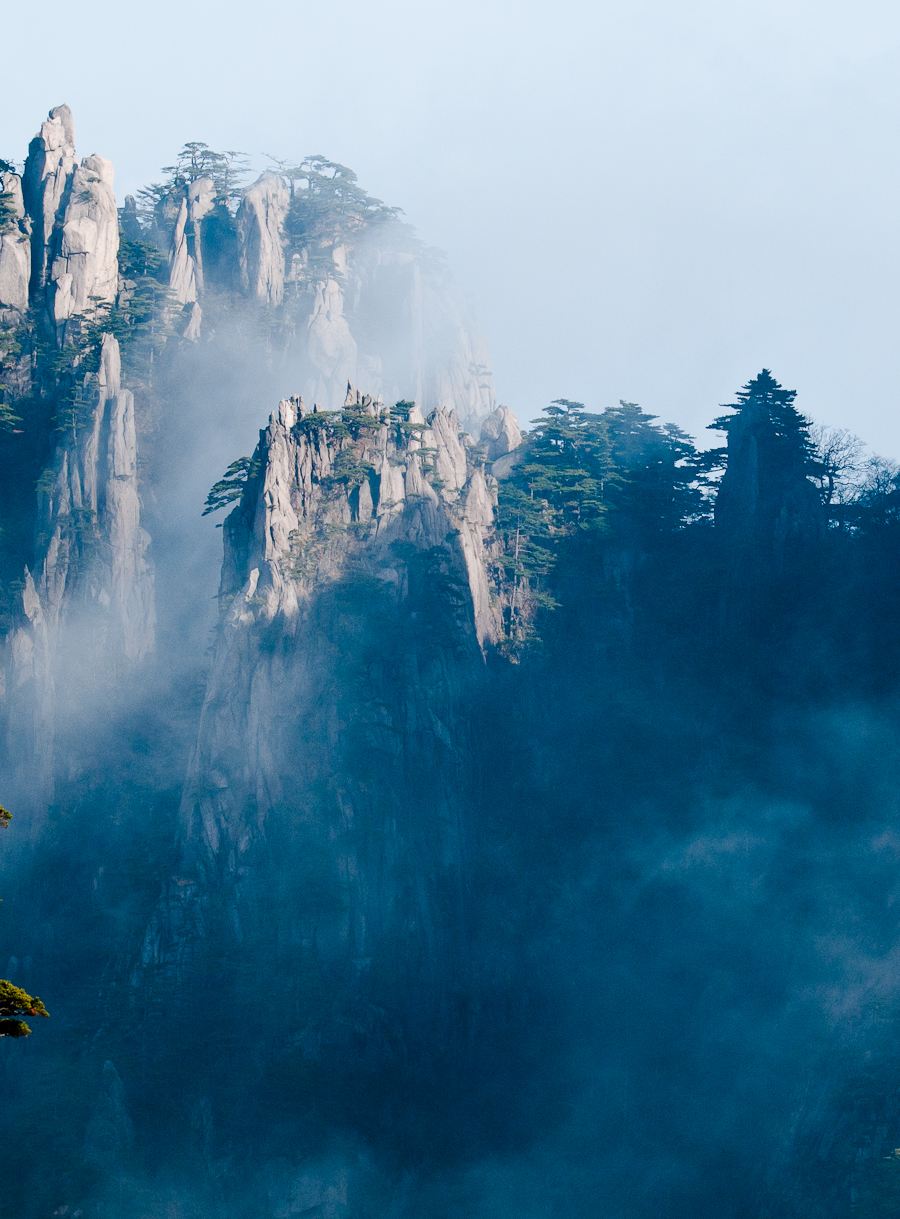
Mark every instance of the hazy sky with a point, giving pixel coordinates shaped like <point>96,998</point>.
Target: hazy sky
<point>646,200</point>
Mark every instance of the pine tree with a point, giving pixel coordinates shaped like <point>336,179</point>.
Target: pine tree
<point>658,484</point>
<point>766,494</point>
<point>567,465</point>
<point>557,492</point>
<point>230,486</point>
<point>16,1003</point>
<point>768,407</point>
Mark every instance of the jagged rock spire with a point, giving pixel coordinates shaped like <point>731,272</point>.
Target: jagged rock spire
<point>46,184</point>
<point>74,223</point>
<point>87,605</point>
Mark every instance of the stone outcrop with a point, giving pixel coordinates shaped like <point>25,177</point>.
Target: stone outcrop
<point>90,537</point>
<point>371,306</point>
<point>84,271</point>
<point>356,605</point>
<point>420,482</point>
<point>260,225</point>
<point>87,612</point>
<point>331,347</point>
<point>15,246</point>
<point>46,182</point>
<point>92,495</point>
<point>500,433</point>
<point>73,221</point>
<point>187,211</point>
<point>27,694</point>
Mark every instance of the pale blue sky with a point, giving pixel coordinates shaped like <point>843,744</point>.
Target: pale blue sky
<point>646,200</point>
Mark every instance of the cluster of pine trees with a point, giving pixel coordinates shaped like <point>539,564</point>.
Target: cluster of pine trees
<point>600,491</point>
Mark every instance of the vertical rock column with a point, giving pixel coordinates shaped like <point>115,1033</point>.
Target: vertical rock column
<point>46,185</point>
<point>87,610</point>
<point>15,248</point>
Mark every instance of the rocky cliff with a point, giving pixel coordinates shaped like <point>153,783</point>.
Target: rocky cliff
<point>328,302</point>
<point>356,603</point>
<point>15,249</point>
<point>363,302</point>
<point>86,612</point>
<point>331,758</point>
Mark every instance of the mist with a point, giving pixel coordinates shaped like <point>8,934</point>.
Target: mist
<point>480,835</point>
<point>643,202</point>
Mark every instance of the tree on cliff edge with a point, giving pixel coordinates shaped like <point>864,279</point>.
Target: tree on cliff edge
<point>767,497</point>
<point>16,1003</point>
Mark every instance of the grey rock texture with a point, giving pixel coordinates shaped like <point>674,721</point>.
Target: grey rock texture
<point>185,211</point>
<point>87,613</point>
<point>46,184</point>
<point>260,224</point>
<point>356,605</point>
<point>84,270</point>
<point>372,307</point>
<point>93,493</point>
<point>186,253</point>
<point>73,222</point>
<point>15,248</point>
<point>331,347</point>
<point>500,433</point>
<point>27,694</point>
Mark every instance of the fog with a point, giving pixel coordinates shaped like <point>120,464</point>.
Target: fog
<point>682,871</point>
<point>643,200</point>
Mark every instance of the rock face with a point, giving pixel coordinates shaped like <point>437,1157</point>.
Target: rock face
<point>27,686</point>
<point>186,252</point>
<point>74,223</point>
<point>86,607</point>
<point>387,319</point>
<point>88,610</point>
<point>367,306</point>
<point>260,224</point>
<point>46,184</point>
<point>332,739</point>
<point>15,246</point>
<point>331,347</point>
<point>84,271</point>
<point>333,757</point>
<point>93,495</point>
<point>500,433</point>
